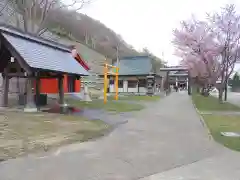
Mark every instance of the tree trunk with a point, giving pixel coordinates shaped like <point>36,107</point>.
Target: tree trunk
<point>198,89</point>
<point>225,92</point>
<point>220,95</point>
<point>4,94</point>
<point>202,90</point>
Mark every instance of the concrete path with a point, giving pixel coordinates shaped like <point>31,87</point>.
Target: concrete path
<point>167,136</point>
<point>219,167</point>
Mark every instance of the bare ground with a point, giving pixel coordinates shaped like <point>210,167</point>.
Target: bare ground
<point>24,133</point>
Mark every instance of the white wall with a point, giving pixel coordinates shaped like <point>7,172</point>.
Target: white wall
<point>133,90</point>
<point>142,89</point>
<point>112,89</point>
<point>125,86</point>
<point>126,89</point>
<point>120,90</point>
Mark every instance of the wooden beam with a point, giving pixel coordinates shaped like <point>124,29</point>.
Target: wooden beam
<point>38,85</point>
<point>23,75</point>
<point>49,77</point>
<point>61,93</point>
<point>17,74</point>
<point>5,91</point>
<point>4,99</point>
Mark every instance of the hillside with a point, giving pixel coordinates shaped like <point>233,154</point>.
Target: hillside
<point>93,39</point>
<point>90,32</point>
<point>95,35</point>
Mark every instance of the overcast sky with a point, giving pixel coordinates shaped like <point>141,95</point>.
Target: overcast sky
<point>149,23</point>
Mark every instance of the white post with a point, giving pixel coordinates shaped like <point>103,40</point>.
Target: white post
<point>125,86</point>
<point>162,84</point>
<point>86,94</point>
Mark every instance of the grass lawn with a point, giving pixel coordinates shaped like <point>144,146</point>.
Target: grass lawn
<point>137,98</point>
<point>212,104</point>
<point>23,133</point>
<point>220,123</point>
<point>111,105</point>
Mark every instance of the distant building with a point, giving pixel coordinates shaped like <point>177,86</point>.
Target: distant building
<point>133,72</point>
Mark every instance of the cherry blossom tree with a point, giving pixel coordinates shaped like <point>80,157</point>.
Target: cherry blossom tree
<point>195,44</point>
<point>210,48</point>
<point>226,26</point>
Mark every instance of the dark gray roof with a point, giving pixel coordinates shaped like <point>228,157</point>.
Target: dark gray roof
<point>136,65</point>
<point>39,53</point>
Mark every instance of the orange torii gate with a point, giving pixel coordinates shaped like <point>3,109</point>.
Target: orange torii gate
<point>106,73</point>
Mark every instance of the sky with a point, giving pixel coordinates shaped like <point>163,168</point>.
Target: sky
<point>149,23</point>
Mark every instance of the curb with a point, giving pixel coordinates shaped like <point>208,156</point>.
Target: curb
<point>202,121</point>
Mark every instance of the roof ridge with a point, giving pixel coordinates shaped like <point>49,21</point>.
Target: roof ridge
<point>31,37</point>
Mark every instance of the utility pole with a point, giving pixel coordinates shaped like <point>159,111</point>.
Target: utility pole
<point>117,48</point>
<point>117,53</point>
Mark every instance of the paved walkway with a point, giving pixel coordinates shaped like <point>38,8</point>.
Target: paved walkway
<point>166,136</point>
<point>225,166</point>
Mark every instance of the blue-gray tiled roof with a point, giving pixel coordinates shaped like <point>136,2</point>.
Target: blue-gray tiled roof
<point>137,65</point>
<point>42,54</point>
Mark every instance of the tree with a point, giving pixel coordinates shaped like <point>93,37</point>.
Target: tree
<point>194,42</point>
<point>210,48</point>
<point>226,26</point>
<point>33,14</point>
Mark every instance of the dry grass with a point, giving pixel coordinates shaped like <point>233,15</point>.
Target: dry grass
<point>23,133</point>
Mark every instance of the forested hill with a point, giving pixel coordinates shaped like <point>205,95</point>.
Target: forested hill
<point>91,32</point>
<point>72,25</point>
<point>94,34</point>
